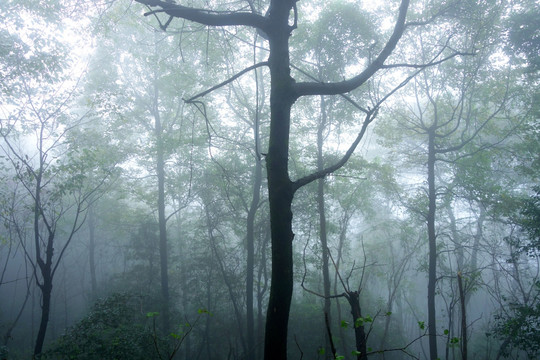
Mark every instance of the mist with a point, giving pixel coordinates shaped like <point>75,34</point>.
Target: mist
<point>269,180</point>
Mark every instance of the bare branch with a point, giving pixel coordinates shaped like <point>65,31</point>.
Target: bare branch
<point>207,17</point>
<point>309,88</point>
<point>231,79</point>
<point>322,173</point>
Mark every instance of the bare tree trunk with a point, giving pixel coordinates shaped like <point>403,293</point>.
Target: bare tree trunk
<point>359,332</point>
<point>162,220</point>
<point>92,250</point>
<point>432,270</point>
<point>262,287</point>
<point>250,237</point>
<point>186,347</point>
<point>46,291</point>
<point>463,318</point>
<point>163,251</point>
<point>322,221</point>
<point>226,280</point>
<point>280,187</point>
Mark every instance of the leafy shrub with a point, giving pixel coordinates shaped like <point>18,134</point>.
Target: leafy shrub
<point>115,328</point>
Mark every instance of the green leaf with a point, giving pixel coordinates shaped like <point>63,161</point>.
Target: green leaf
<point>152,314</point>
<point>321,351</point>
<point>446,331</point>
<point>422,325</point>
<point>344,324</point>
<point>356,352</point>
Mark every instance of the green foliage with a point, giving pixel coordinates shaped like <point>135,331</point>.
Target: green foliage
<point>362,320</point>
<point>114,329</point>
<point>521,327</point>
<point>530,221</point>
<point>524,34</point>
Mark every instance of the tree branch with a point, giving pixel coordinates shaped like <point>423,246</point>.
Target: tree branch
<point>322,173</point>
<point>207,17</point>
<point>231,79</point>
<point>308,88</point>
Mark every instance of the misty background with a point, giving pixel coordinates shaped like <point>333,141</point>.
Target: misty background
<point>134,197</point>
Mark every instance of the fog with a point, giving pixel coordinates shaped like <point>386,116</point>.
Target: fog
<point>269,180</point>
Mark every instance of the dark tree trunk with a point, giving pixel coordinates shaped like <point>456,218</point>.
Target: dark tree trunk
<point>322,220</point>
<point>284,92</point>
<point>432,269</point>
<point>280,187</point>
<point>46,291</point>
<point>45,267</point>
<point>359,332</point>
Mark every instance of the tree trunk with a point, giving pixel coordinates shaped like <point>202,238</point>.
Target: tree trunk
<point>162,221</point>
<point>280,187</point>
<point>92,250</point>
<point>463,318</point>
<point>432,270</point>
<point>359,332</point>
<point>322,221</point>
<point>262,286</point>
<point>250,239</point>
<point>163,252</point>
<point>46,291</point>
<point>186,347</point>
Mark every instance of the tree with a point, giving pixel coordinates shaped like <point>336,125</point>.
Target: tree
<point>57,189</point>
<point>438,126</point>
<point>278,27</point>
<point>524,34</point>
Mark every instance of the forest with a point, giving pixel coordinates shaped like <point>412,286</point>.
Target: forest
<point>269,179</point>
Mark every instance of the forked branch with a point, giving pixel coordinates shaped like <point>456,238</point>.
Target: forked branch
<point>207,17</point>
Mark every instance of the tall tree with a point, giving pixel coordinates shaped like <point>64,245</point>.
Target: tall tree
<point>278,26</point>
<point>448,116</point>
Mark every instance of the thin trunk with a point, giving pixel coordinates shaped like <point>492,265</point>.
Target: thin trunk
<point>46,291</point>
<point>186,347</point>
<point>162,221</point>
<point>45,267</point>
<point>432,270</point>
<point>250,238</point>
<point>92,250</point>
<point>163,251</point>
<point>322,221</point>
<point>13,324</point>
<point>463,318</point>
<point>262,287</point>
<point>342,237</point>
<point>226,280</point>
